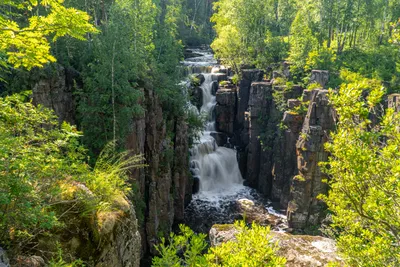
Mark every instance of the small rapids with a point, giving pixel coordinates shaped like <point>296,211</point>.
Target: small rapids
<point>216,168</point>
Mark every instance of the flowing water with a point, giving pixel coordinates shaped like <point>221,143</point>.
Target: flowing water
<point>221,183</point>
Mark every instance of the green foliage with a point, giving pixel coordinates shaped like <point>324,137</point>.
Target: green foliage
<point>303,39</point>
<point>24,40</point>
<point>42,168</point>
<point>195,28</point>
<point>323,59</point>
<point>188,244</point>
<point>196,125</point>
<point>251,32</point>
<point>252,247</point>
<point>60,262</point>
<point>194,80</point>
<point>364,171</point>
<point>235,79</point>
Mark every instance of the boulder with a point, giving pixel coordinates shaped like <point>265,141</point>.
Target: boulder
<point>253,212</point>
<point>196,94</point>
<point>299,250</point>
<point>200,78</point>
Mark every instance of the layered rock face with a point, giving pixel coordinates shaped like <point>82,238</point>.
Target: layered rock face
<point>54,91</point>
<point>304,207</point>
<point>279,133</point>
<point>164,185</point>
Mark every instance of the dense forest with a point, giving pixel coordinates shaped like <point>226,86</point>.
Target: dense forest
<point>95,123</point>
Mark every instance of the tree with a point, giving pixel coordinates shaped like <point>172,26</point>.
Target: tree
<point>251,32</point>
<point>364,170</point>
<point>24,40</point>
<point>303,40</point>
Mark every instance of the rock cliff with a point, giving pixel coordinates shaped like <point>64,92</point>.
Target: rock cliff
<point>164,185</point>
<point>279,132</point>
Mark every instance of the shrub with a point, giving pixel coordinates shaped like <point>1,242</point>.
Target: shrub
<point>364,170</point>
<point>43,168</point>
<point>252,247</point>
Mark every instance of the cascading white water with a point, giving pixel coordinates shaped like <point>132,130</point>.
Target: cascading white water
<point>221,183</point>
<point>216,167</point>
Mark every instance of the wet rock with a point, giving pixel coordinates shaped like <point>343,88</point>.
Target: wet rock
<point>219,77</point>
<point>320,76</point>
<point>4,261</point>
<point>191,54</point>
<point>299,250</point>
<point>196,94</point>
<point>253,212</point>
<point>220,138</point>
<point>220,69</point>
<point>196,185</point>
<point>305,208</point>
<point>214,87</point>
<point>200,78</point>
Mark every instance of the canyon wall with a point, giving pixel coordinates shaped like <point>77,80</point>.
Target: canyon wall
<point>279,131</point>
<point>163,186</point>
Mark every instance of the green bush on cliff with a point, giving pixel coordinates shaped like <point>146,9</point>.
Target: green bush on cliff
<point>252,247</point>
<point>365,175</point>
<point>44,177</point>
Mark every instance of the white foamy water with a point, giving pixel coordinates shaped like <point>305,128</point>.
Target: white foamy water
<point>221,183</point>
<point>216,167</point>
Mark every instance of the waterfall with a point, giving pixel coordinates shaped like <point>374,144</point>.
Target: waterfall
<point>216,167</point>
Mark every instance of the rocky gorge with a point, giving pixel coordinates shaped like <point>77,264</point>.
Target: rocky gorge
<point>259,150</point>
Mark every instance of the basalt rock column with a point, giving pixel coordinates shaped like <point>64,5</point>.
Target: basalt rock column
<point>225,110</point>
<point>304,208</point>
<point>285,161</point>
<point>241,137</point>
<point>260,102</point>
